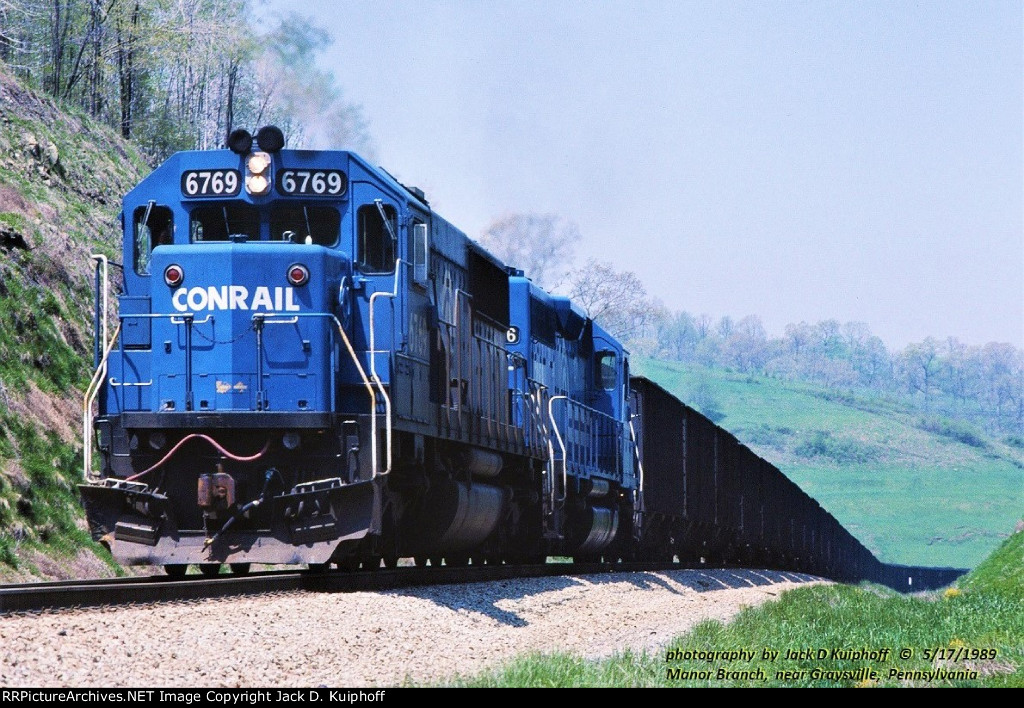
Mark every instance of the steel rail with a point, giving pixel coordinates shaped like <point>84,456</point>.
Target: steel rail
<point>64,595</point>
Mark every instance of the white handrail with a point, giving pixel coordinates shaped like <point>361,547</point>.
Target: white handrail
<point>103,325</point>
<point>369,388</point>
<point>90,396</point>
<point>636,452</point>
<point>101,370</point>
<point>373,363</point>
<point>561,444</point>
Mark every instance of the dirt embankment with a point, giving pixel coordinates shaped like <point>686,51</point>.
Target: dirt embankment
<point>62,176</point>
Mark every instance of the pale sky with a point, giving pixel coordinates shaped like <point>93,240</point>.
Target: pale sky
<point>799,161</point>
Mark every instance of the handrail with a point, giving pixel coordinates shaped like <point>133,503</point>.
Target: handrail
<point>181,318</point>
<point>639,467</point>
<point>561,444</point>
<point>90,396</point>
<point>178,319</point>
<point>102,265</point>
<point>373,400</point>
<point>366,382</point>
<point>373,361</point>
<point>595,416</point>
<point>102,260</point>
<point>636,451</point>
<point>115,383</point>
<point>540,430</point>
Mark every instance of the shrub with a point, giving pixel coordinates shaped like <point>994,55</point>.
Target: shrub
<point>954,430</point>
<point>822,443</point>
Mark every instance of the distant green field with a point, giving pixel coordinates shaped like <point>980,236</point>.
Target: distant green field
<point>910,489</point>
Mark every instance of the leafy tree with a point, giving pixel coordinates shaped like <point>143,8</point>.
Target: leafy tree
<point>921,367</point>
<point>180,74</point>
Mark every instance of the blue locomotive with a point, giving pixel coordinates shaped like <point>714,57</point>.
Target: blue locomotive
<point>311,366</point>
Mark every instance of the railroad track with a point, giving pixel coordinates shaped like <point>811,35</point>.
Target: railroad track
<point>56,595</point>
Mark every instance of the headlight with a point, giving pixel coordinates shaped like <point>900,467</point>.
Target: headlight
<point>258,163</point>
<point>291,440</point>
<point>257,177</point>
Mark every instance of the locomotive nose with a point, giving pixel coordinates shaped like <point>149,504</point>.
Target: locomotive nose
<point>249,326</point>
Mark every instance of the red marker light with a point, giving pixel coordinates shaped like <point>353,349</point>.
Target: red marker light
<point>298,274</point>
<point>173,275</point>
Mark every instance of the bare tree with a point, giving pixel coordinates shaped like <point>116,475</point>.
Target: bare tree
<point>616,300</point>
<point>747,344</point>
<point>539,244</point>
<point>798,337</point>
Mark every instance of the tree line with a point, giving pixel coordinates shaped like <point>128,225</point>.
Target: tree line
<point>946,379</point>
<point>180,74</point>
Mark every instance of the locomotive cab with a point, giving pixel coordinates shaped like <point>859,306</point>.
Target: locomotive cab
<point>234,354</point>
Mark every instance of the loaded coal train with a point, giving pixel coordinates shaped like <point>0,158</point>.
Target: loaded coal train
<point>310,366</point>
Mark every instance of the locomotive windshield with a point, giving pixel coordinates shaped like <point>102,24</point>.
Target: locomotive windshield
<point>296,223</point>
<point>217,223</point>
<point>290,222</point>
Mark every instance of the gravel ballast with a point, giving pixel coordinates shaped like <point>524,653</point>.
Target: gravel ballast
<point>371,639</point>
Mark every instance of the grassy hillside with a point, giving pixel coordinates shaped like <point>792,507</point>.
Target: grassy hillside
<point>61,180</point>
<point>913,489</point>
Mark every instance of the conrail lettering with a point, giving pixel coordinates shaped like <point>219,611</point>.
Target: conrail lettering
<point>234,297</point>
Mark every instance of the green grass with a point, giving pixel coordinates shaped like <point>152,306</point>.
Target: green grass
<point>882,638</point>
<point>915,491</point>
<point>39,508</point>
<point>33,344</point>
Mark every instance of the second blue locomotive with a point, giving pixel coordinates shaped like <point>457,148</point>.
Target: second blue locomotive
<point>311,366</point>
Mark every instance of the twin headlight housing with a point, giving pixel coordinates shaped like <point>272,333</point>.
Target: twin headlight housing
<point>258,176</point>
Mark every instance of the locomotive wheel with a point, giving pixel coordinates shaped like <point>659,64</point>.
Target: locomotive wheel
<point>240,568</point>
<point>210,570</point>
<point>176,570</point>
<point>457,561</point>
<point>421,561</point>
<point>372,563</point>
<point>390,561</point>
<point>317,567</point>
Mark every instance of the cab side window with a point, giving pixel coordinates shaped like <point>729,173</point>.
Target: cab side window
<point>605,370</point>
<point>375,247</point>
<point>154,226</point>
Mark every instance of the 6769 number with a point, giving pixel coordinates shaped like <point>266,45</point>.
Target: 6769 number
<point>210,183</point>
<point>327,183</point>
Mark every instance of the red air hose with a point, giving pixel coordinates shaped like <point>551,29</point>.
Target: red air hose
<point>207,438</point>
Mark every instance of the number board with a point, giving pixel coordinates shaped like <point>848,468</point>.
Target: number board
<point>211,183</point>
<point>312,183</point>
